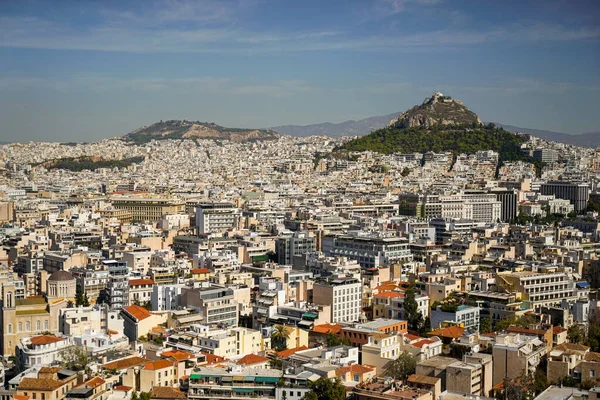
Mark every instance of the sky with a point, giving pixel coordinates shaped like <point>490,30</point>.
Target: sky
<point>87,70</point>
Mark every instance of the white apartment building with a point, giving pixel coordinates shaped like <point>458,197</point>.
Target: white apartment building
<point>216,217</point>
<point>345,297</point>
<point>41,350</point>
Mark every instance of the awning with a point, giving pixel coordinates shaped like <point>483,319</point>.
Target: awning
<point>267,379</point>
<point>311,316</point>
<point>243,390</point>
<point>239,378</point>
<point>226,379</point>
<point>262,258</point>
<point>249,379</point>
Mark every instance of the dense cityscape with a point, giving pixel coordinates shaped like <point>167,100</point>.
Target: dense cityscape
<point>299,200</point>
<point>290,268</point>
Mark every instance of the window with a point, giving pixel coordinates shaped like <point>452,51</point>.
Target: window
<point>27,326</point>
<point>46,324</point>
<point>21,328</point>
<point>38,325</point>
<point>9,328</point>
<point>592,373</point>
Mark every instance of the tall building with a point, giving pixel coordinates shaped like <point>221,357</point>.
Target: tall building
<point>216,217</point>
<point>345,297</point>
<point>297,244</point>
<point>372,251</point>
<point>508,200</point>
<point>547,156</point>
<point>577,193</point>
<point>116,293</point>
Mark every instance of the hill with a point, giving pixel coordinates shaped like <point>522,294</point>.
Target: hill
<point>437,110</point>
<point>177,129</point>
<point>448,128</point>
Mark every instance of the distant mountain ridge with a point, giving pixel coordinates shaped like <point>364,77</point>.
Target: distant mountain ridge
<point>183,129</point>
<point>589,139</point>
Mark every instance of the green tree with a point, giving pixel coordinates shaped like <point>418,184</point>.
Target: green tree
<point>74,358</point>
<point>279,337</point>
<point>540,381</point>
<point>401,367</point>
<point>485,325</point>
<point>144,396</point>
<point>134,396</point>
<point>411,310</point>
<point>276,363</point>
<point>328,389</point>
<point>79,296</point>
<point>576,334</point>
<point>425,327</point>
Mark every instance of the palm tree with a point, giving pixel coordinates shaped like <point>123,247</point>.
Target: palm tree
<point>279,337</point>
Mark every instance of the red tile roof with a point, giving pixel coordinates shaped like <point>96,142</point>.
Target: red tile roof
<point>423,342</point>
<point>251,359</point>
<point>178,355</point>
<point>166,392</point>
<point>390,295</point>
<point>327,328</point>
<point>45,339</point>
<point>123,388</point>
<point>213,359</point>
<point>139,313</point>
<point>453,332</point>
<point>125,363</point>
<point>289,352</point>
<point>139,282</point>
<point>355,369</point>
<point>558,329</point>
<point>95,382</point>
<point>201,271</point>
<point>159,364</point>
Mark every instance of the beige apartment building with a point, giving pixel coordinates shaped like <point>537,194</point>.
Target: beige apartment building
<point>147,208</point>
<point>472,376</point>
<point>516,355</point>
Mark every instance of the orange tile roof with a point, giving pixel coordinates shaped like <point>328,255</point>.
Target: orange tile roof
<point>20,397</point>
<point>41,384</point>
<point>251,359</point>
<point>159,364</point>
<point>558,329</point>
<point>423,342</point>
<point>166,392</point>
<point>390,295</point>
<point>355,368</point>
<point>591,356</point>
<point>453,332</point>
<point>122,388</point>
<point>139,313</point>
<point>289,352</point>
<point>327,328</point>
<point>49,370</point>
<point>138,282</point>
<point>412,337</point>
<point>213,359</point>
<point>45,339</point>
<point>125,363</point>
<point>95,382</point>
<point>201,271</point>
<point>178,355</point>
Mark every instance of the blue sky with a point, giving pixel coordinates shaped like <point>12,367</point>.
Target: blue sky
<point>85,70</point>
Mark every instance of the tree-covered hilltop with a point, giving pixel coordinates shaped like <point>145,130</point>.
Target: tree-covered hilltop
<point>77,164</point>
<point>455,139</point>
